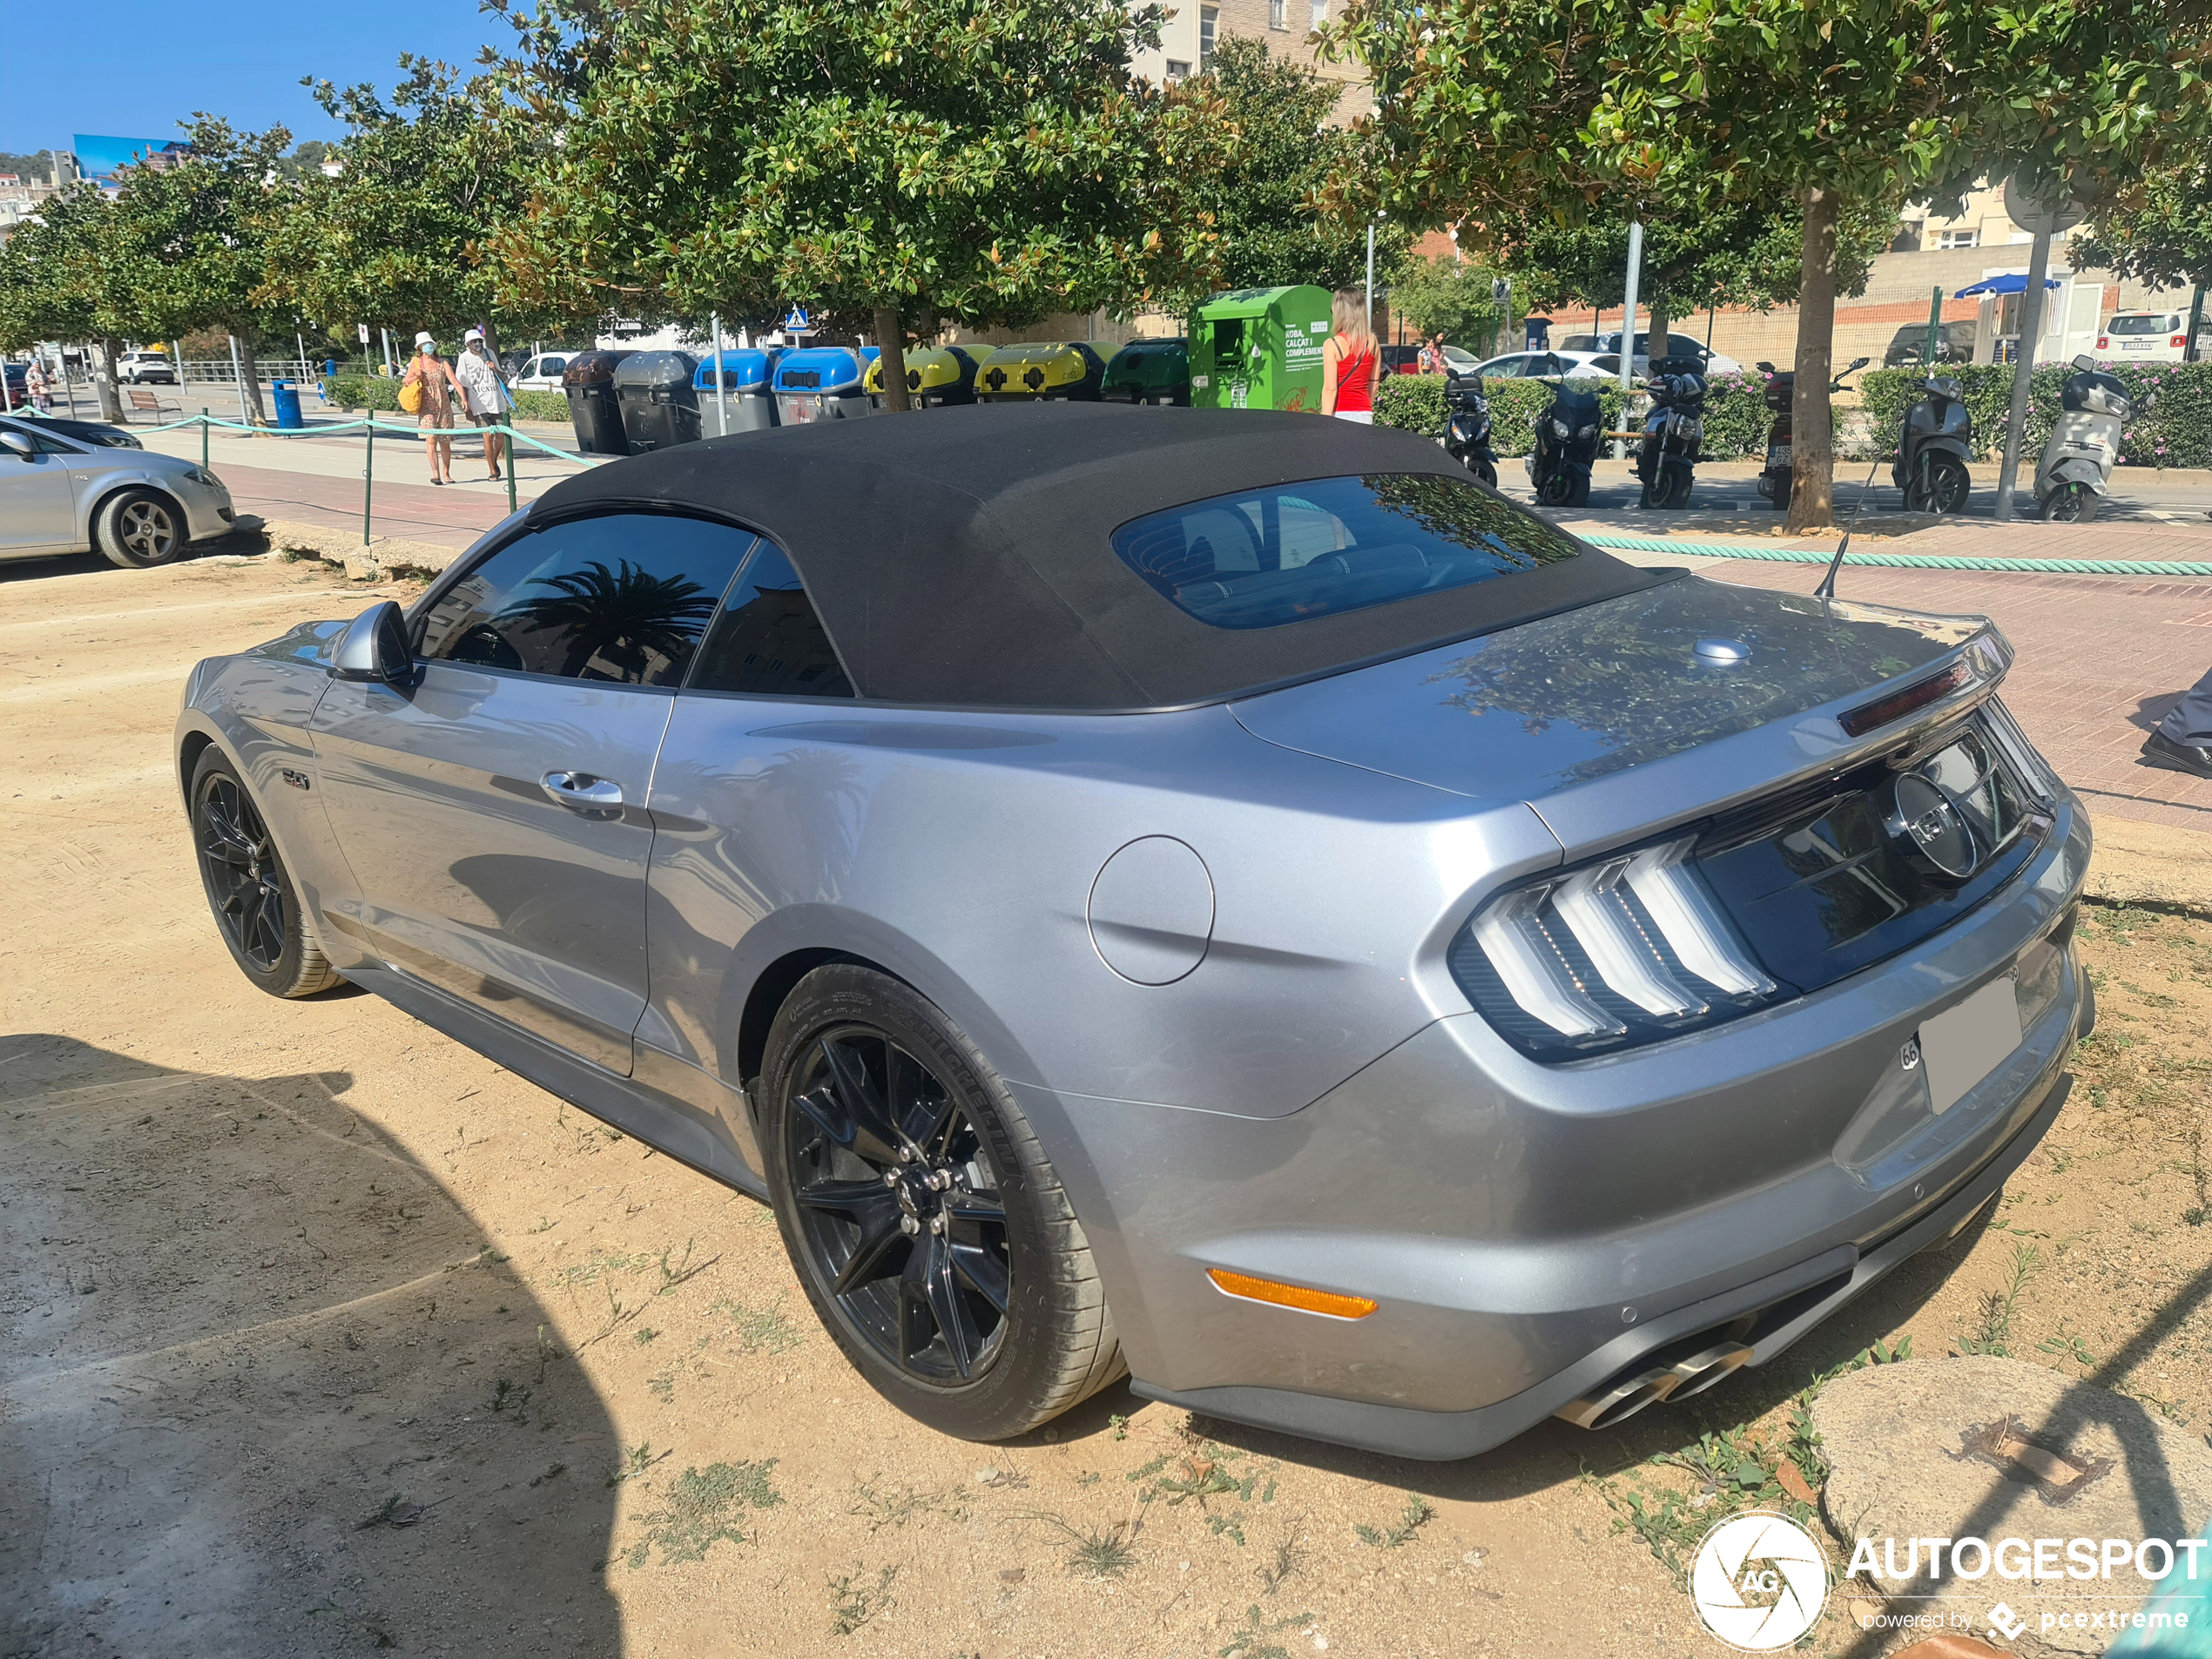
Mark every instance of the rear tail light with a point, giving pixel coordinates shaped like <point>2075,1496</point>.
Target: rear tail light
<point>2103,343</point>
<point>1626,950</point>
<point>2179,341</point>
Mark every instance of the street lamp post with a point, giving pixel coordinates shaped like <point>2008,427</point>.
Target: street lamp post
<point>1629,327</point>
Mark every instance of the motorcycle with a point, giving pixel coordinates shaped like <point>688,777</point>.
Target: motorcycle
<point>1781,387</point>
<point>1934,448</point>
<point>1674,431</point>
<point>1466,433</point>
<point>2071,478</point>
<point>1565,445</point>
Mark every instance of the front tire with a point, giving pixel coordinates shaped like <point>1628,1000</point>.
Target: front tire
<point>927,1226</point>
<point>257,909</point>
<point>139,529</point>
<point>2074,504</point>
<point>1939,486</point>
<point>1482,470</point>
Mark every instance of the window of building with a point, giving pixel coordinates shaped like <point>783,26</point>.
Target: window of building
<point>1208,18</point>
<point>1959,238</point>
<point>1275,14</point>
<point>1177,70</point>
<point>1320,12</point>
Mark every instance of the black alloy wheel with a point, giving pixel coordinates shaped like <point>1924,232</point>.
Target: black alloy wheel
<point>1557,489</point>
<point>928,1229</point>
<point>899,1206</point>
<point>2071,503</point>
<point>1939,486</point>
<point>247,888</point>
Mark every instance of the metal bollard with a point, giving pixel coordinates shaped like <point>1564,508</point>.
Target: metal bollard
<point>368,474</point>
<point>202,438</point>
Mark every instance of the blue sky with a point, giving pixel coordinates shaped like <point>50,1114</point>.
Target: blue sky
<point>149,64</point>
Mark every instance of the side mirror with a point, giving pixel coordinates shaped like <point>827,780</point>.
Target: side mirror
<point>17,445</point>
<point>374,647</point>
<point>1858,362</point>
<point>2085,362</point>
<point>1763,366</point>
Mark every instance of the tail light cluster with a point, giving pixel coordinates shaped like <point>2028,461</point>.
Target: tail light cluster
<point>1626,949</point>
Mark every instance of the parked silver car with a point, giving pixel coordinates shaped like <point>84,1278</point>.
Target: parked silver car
<point>63,491</point>
<point>1223,896</point>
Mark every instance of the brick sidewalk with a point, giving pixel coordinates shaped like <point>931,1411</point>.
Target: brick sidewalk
<point>2099,660</point>
<point>444,517</point>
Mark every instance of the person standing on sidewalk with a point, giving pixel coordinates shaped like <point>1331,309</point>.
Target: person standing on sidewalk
<point>484,389</point>
<point>41,389</point>
<point>434,377</point>
<point>1350,362</point>
<point>2182,741</point>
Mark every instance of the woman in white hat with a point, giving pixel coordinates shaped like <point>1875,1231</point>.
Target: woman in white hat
<point>439,388</point>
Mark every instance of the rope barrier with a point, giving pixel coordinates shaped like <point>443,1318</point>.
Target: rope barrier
<point>1910,560</point>
<point>388,428</point>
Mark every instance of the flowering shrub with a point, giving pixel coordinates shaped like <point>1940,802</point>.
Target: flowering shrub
<point>2176,432</point>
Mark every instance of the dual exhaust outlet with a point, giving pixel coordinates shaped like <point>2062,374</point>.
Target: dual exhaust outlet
<point>1650,1381</point>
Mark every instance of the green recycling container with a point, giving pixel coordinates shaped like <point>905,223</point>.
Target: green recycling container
<point>935,375</point>
<point>1259,348</point>
<point>1040,369</point>
<point>1149,371</point>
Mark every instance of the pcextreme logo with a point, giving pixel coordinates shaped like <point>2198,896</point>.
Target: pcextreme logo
<point>1759,1581</point>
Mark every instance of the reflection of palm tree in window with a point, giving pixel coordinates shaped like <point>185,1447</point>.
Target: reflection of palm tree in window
<point>622,617</point>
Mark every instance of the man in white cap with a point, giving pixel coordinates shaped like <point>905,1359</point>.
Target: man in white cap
<point>483,390</point>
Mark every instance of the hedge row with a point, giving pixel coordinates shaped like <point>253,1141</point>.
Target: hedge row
<point>2176,432</point>
<point>380,393</point>
<point>1736,411</point>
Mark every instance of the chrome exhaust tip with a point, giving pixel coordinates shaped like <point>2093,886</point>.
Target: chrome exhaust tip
<point>1648,1384</point>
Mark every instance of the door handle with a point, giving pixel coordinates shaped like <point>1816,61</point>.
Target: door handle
<point>581,789</point>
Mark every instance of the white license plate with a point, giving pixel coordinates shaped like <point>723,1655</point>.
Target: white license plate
<point>1778,455</point>
<point>2137,345</point>
<point>1962,1045</point>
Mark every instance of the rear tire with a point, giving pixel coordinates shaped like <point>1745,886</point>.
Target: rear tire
<point>257,909</point>
<point>986,1319</point>
<point>139,529</point>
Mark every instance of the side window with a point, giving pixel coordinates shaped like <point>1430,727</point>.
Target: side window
<point>768,640</point>
<point>625,597</point>
<point>1504,368</point>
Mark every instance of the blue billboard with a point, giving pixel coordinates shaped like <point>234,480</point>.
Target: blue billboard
<point>100,158</point>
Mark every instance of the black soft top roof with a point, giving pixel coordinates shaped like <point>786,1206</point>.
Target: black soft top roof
<point>964,555</point>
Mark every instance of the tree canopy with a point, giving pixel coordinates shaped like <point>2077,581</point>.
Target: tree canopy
<point>2157,229</point>
<point>918,159</point>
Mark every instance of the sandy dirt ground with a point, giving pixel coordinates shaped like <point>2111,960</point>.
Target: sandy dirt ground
<point>325,1335</point>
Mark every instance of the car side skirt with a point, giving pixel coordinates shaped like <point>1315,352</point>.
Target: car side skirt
<point>1839,1275</point>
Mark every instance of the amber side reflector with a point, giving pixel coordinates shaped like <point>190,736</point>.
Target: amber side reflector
<point>1290,1296</point>
<point>1867,716</point>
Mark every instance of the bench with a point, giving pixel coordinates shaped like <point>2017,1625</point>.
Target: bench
<point>142,399</point>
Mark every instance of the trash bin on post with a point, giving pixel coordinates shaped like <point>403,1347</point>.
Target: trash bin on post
<point>748,403</point>
<point>935,375</point>
<point>1044,369</point>
<point>821,383</point>
<point>589,382</point>
<point>1149,371</point>
<point>284,397</point>
<point>659,408</point>
<point>1259,348</point>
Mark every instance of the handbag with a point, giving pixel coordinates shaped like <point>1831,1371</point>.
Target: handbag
<point>411,397</point>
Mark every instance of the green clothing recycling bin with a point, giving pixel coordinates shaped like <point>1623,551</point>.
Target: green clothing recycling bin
<point>1149,371</point>
<point>1041,369</point>
<point>935,374</point>
<point>1259,348</point>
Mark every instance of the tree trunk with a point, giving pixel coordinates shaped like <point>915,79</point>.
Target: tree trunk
<point>110,394</point>
<point>1812,489</point>
<point>891,336</point>
<point>250,373</point>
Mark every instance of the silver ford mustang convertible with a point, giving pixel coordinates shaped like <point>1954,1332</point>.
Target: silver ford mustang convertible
<point>1221,897</point>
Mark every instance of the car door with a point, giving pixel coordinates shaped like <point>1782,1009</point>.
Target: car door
<point>493,813</point>
<point>38,499</point>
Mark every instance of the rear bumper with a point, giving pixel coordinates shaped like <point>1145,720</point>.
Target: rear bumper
<point>1531,1232</point>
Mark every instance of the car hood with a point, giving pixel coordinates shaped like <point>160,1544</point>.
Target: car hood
<point>1518,714</point>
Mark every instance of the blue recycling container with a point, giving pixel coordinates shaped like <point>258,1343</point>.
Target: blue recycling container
<point>822,383</point>
<point>748,401</point>
<point>285,396</point>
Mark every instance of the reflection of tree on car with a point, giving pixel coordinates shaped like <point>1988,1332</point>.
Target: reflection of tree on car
<point>613,620</point>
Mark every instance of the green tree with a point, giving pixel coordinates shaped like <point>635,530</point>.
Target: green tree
<point>1280,151</point>
<point>916,159</point>
<point>194,238</point>
<point>1446,296</point>
<point>65,275</point>
<point>397,237</point>
<point>1506,109</point>
<point>2158,229</point>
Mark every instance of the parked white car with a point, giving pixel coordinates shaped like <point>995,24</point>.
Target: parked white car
<point>1679,345</point>
<point>2144,337</point>
<point>146,369</point>
<point>1539,365</point>
<point>541,373</point>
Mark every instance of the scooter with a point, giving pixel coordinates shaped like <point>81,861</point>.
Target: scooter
<point>2071,478</point>
<point>1781,387</point>
<point>1933,451</point>
<point>1674,431</point>
<point>1466,434</point>
<point>1567,440</point>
